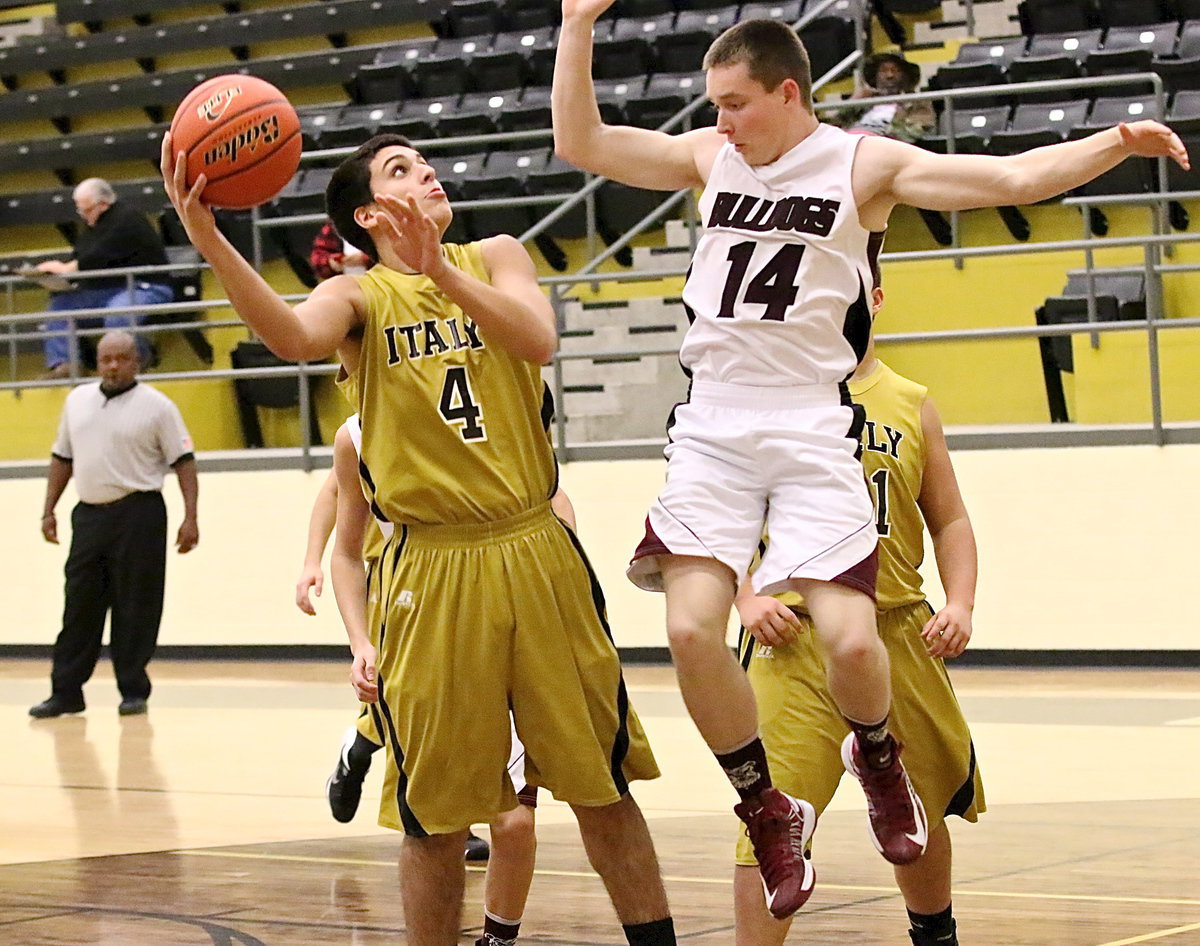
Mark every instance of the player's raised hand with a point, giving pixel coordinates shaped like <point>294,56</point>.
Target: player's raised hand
<point>1151,139</point>
<point>363,674</point>
<point>948,632</point>
<point>409,231</point>
<point>769,620</point>
<point>196,217</point>
<point>584,9</point>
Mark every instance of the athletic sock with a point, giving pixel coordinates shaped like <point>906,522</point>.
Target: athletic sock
<point>500,929</point>
<point>654,933</point>
<point>746,768</point>
<point>359,755</point>
<point>874,742</point>
<point>934,928</point>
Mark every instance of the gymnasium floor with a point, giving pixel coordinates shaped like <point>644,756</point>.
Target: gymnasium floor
<point>204,822</point>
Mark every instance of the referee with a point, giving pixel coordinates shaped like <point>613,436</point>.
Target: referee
<point>117,438</point>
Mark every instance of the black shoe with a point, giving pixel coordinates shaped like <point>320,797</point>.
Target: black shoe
<point>56,706</point>
<point>344,788</point>
<point>132,706</point>
<point>477,848</point>
<point>950,938</point>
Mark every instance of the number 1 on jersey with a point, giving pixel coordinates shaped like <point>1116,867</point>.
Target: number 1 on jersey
<point>458,405</point>
<point>773,286</point>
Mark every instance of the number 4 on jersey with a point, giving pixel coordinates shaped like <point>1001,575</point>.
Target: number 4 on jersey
<point>458,405</point>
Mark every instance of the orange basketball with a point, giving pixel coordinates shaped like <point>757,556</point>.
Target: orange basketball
<point>243,135</point>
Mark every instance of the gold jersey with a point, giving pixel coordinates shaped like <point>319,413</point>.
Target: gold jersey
<point>453,431</point>
<point>893,460</point>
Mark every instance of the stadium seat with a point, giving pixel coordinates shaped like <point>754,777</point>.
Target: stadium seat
<point>999,51</point>
<point>1134,12</point>
<point>1132,48</point>
<point>354,124</point>
<point>973,127</point>
<point>785,11</point>
<point>1118,297</point>
<point>1055,16</point>
<point>471,18</point>
<point>1182,69</point>
<point>829,40</point>
<point>1035,124</point>
<point>530,113</point>
<point>665,94</point>
<point>683,48</point>
<point>968,76</point>
<point>446,70</point>
<point>628,48</point>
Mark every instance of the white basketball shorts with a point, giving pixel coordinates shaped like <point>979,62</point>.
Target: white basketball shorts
<point>740,457</point>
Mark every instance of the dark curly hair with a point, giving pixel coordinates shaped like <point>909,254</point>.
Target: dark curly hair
<point>350,188</point>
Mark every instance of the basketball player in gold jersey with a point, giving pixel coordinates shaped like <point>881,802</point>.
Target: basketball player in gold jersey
<point>486,600</point>
<point>908,467</point>
<point>510,869</point>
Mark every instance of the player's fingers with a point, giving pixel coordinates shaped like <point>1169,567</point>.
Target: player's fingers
<point>164,159</point>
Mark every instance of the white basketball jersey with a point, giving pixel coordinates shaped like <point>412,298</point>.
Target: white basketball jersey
<point>780,285</point>
<point>354,428</point>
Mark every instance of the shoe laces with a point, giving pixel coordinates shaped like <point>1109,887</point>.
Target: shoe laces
<point>778,839</point>
<point>886,794</point>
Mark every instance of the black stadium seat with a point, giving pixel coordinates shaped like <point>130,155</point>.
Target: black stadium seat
<point>168,88</point>
<point>973,127</point>
<point>1118,297</point>
<point>999,51</point>
<point>1132,48</point>
<point>682,49</point>
<point>665,94</point>
<point>1055,16</point>
<point>1035,124</point>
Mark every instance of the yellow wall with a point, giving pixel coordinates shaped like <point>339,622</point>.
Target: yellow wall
<point>1079,548</point>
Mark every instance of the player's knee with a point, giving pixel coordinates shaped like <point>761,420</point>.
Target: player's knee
<point>855,649</point>
<point>514,830</point>
<point>688,637</point>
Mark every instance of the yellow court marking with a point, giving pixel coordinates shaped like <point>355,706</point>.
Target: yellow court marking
<point>852,888</point>
<point>1149,936</point>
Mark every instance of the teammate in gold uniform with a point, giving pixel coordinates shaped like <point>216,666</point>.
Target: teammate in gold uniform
<point>908,466</point>
<point>485,599</point>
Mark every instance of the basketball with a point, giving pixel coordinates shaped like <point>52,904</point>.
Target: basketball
<point>243,135</point>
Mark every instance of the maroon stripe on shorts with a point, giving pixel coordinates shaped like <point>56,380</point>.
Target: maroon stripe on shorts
<point>861,577</point>
<point>651,544</point>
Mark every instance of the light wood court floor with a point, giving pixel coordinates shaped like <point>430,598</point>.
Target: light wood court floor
<point>205,822</point>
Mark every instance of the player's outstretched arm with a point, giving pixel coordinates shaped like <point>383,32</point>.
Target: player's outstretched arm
<point>346,566</point>
<point>636,156</point>
<point>320,527</point>
<point>948,632</point>
<point>891,172</point>
<point>311,331</point>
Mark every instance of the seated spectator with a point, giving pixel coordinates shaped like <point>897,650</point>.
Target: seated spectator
<point>332,255</point>
<point>116,236</point>
<point>888,74</point>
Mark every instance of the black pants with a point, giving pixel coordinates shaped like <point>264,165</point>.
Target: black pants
<point>117,564</point>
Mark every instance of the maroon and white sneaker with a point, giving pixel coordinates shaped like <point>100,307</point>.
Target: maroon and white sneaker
<point>779,827</point>
<point>898,827</point>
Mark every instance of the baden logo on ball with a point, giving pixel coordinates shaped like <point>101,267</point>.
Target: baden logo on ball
<point>243,135</point>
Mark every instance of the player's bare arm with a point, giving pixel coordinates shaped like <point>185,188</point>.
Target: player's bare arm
<point>636,156</point>
<point>312,330</point>
<point>320,527</point>
<point>769,620</point>
<point>346,566</point>
<point>512,311</point>
<point>948,632</point>
<point>889,172</point>
<point>561,503</point>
